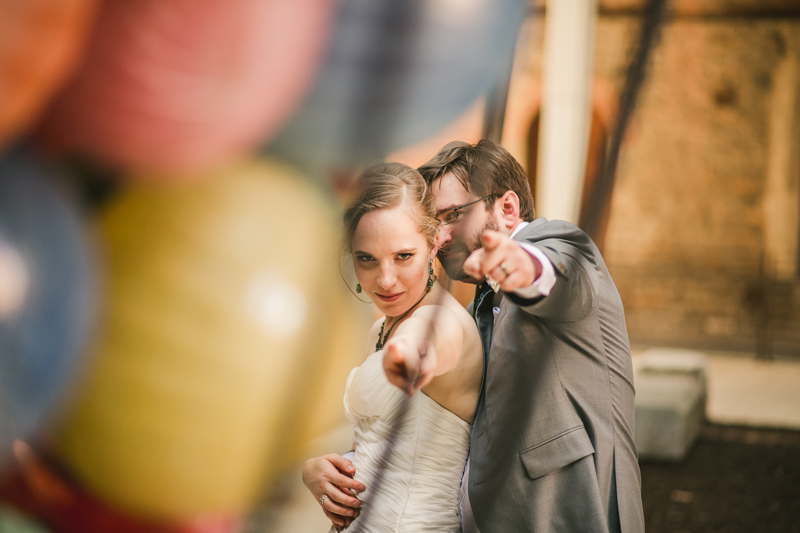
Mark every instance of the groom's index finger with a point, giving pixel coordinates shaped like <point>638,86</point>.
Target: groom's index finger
<point>342,463</point>
<point>491,239</point>
<point>472,265</point>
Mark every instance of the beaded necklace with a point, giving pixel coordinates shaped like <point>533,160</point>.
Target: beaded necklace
<point>381,339</point>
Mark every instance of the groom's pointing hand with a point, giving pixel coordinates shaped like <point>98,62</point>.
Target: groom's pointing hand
<point>504,261</point>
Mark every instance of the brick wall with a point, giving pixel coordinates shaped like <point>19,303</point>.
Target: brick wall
<point>704,229</point>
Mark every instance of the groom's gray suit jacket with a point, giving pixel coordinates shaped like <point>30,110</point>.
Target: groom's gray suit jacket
<point>552,445</point>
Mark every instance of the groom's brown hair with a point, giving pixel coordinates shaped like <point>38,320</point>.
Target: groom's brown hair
<point>485,169</point>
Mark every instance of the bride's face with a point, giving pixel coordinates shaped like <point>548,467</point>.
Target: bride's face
<point>391,257</point>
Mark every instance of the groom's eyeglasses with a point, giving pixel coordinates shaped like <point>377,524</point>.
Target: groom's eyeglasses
<point>451,215</point>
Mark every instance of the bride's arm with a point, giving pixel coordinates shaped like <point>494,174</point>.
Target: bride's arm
<point>425,345</point>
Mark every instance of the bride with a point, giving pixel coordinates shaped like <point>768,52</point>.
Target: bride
<point>427,347</point>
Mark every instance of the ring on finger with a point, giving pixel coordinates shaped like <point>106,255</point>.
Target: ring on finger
<point>500,277</point>
<point>322,500</point>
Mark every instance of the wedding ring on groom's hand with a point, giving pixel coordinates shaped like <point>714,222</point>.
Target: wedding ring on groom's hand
<point>322,500</point>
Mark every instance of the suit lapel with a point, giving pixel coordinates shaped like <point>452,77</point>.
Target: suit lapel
<point>484,319</point>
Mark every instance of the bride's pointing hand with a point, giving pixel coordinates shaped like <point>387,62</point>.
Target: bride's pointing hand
<point>409,364</point>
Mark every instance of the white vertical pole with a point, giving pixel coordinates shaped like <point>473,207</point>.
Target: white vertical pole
<point>782,187</point>
<point>566,107</point>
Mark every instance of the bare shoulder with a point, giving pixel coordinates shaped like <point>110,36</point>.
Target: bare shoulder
<point>457,390</point>
<point>472,339</point>
<point>449,301</point>
<point>443,307</point>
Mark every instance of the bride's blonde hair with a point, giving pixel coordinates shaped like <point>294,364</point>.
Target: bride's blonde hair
<point>390,185</point>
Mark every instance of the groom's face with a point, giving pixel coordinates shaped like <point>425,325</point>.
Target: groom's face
<point>462,237</point>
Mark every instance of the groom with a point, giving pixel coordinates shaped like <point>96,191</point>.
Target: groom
<point>552,444</point>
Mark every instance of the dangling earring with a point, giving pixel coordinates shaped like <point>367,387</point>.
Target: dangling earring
<point>358,288</point>
<point>431,277</point>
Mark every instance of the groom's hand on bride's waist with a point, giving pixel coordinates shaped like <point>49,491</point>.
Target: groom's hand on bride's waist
<point>330,480</point>
<point>502,259</point>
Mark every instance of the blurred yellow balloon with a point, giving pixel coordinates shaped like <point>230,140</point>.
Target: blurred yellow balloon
<point>226,325</point>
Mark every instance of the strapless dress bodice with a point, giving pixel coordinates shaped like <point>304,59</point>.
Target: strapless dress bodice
<point>419,486</point>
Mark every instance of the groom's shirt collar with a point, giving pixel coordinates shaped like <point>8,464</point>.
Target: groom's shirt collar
<point>519,228</point>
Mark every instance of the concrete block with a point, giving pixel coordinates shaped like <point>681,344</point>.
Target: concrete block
<point>670,402</point>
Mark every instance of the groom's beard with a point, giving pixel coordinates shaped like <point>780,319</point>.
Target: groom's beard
<point>455,254</point>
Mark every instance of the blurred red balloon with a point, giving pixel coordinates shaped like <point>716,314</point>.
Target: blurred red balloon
<point>40,41</point>
<point>41,490</point>
<point>181,84</point>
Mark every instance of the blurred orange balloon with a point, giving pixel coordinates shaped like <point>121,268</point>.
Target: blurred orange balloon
<point>181,84</point>
<point>40,41</point>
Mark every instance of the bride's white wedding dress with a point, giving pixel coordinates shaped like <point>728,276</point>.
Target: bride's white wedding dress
<point>419,489</point>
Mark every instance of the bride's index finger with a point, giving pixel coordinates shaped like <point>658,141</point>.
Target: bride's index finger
<point>394,355</point>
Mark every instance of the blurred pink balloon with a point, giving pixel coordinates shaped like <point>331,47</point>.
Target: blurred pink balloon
<point>181,84</point>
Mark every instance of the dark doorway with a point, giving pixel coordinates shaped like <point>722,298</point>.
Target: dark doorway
<point>595,159</point>
<point>533,155</point>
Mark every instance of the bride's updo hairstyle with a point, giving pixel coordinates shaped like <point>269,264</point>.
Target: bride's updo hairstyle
<point>390,185</point>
